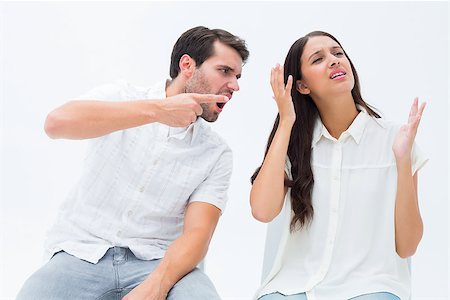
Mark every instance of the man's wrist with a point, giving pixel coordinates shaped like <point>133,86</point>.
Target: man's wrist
<point>159,280</point>
<point>154,110</point>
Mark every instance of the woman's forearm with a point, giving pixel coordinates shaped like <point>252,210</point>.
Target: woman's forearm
<point>268,190</point>
<point>408,222</point>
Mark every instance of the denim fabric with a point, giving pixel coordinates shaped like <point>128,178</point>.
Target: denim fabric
<point>67,277</point>
<point>302,296</point>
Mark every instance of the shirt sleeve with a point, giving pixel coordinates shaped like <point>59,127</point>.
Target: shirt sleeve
<point>117,90</point>
<point>418,158</point>
<point>214,188</point>
<point>288,167</point>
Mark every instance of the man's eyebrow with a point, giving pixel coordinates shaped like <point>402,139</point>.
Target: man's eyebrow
<point>226,67</point>
<point>231,69</point>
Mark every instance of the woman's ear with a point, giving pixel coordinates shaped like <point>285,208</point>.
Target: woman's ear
<point>302,88</point>
<point>187,66</point>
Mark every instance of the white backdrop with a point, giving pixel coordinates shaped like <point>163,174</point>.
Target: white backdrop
<point>53,51</point>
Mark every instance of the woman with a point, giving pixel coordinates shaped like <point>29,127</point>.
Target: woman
<point>346,178</point>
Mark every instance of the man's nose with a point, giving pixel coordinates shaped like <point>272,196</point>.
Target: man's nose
<point>234,85</point>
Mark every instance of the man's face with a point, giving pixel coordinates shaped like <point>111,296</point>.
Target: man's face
<point>217,75</point>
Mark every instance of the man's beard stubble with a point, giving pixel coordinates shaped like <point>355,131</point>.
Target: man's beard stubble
<point>198,84</point>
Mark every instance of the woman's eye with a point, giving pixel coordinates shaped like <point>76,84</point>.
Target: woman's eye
<point>317,60</point>
<point>339,53</point>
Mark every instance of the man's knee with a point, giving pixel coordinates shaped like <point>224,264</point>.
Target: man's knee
<point>38,286</point>
<point>195,285</point>
<point>65,277</point>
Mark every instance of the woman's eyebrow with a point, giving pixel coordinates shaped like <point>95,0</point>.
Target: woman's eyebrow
<point>336,47</point>
<point>318,51</point>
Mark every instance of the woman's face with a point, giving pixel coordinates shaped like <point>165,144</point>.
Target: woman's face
<point>326,71</point>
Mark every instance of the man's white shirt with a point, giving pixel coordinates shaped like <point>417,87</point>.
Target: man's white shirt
<point>136,184</point>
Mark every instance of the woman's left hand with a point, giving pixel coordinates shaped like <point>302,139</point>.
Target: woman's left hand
<point>405,137</point>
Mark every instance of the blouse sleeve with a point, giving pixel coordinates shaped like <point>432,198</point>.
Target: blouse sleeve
<point>287,167</point>
<point>418,158</point>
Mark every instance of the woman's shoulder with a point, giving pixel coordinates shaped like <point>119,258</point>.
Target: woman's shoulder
<point>380,131</point>
<point>383,124</point>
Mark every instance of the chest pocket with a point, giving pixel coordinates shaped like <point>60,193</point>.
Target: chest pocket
<point>173,189</point>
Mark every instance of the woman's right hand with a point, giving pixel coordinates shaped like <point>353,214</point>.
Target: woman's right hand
<point>282,94</point>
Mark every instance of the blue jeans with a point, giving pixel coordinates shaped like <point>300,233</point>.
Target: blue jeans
<point>302,296</point>
<point>66,277</point>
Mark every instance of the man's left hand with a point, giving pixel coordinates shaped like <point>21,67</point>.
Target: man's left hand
<point>148,290</point>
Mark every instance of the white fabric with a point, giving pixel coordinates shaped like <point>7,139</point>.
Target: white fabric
<point>349,248</point>
<point>137,183</point>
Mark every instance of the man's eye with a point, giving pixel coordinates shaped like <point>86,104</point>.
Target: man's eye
<point>225,71</point>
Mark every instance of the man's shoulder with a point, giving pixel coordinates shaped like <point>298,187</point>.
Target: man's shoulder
<point>133,91</point>
<point>117,90</point>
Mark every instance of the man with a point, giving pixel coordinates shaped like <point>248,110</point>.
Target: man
<point>154,184</point>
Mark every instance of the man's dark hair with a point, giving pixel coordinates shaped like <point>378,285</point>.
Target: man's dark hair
<point>198,44</point>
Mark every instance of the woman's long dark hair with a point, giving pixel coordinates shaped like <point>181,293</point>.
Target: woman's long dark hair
<point>299,149</point>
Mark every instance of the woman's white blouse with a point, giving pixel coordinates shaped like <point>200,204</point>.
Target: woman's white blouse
<point>349,248</point>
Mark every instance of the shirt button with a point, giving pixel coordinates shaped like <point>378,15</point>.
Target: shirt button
<point>141,189</point>
<point>130,212</point>
<point>119,233</point>
<point>155,162</point>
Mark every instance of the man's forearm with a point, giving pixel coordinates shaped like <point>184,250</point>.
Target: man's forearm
<point>90,119</point>
<point>183,256</point>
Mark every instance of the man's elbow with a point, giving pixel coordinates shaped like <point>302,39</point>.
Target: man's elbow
<point>55,123</point>
<point>51,126</point>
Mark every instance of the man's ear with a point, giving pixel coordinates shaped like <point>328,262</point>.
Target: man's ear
<point>302,88</point>
<point>187,66</point>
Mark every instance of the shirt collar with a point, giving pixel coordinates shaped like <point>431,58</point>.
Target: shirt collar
<point>189,133</point>
<point>358,125</point>
<point>355,130</point>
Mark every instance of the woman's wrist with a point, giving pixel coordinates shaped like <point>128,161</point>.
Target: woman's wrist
<point>286,122</point>
<point>404,163</point>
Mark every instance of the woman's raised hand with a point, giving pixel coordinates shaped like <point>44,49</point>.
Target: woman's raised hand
<point>282,94</point>
<point>404,140</point>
